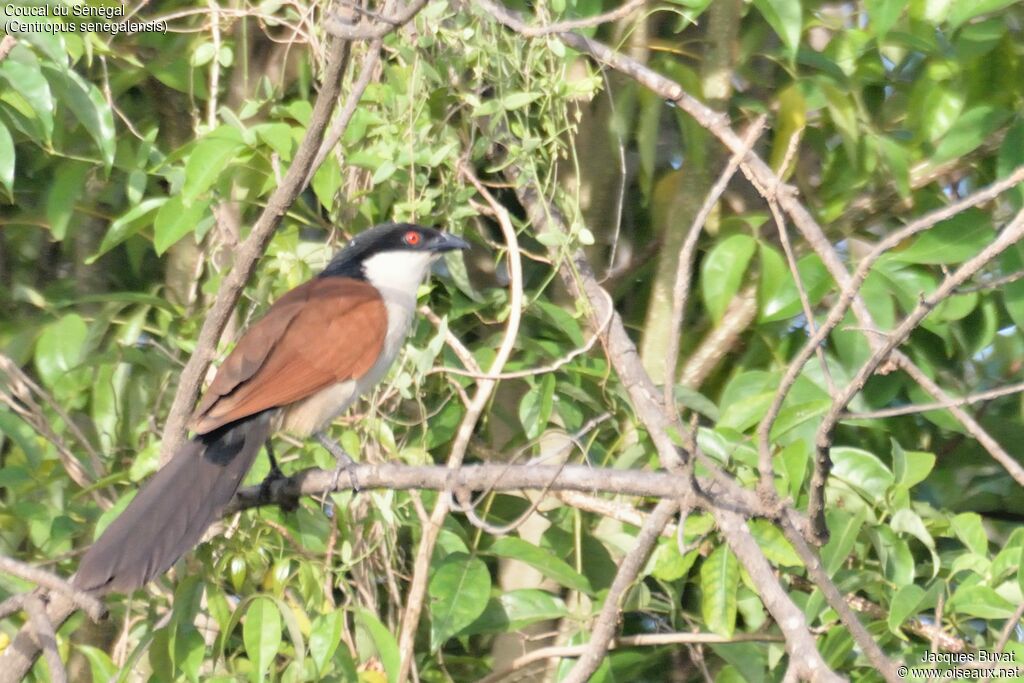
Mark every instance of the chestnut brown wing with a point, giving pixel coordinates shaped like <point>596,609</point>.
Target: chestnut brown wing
<point>325,331</point>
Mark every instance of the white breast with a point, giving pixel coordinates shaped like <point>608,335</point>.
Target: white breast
<point>397,275</point>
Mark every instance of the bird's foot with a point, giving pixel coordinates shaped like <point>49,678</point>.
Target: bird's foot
<point>344,462</point>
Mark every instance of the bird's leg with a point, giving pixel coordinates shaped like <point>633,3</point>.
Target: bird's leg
<point>273,475</point>
<point>275,471</point>
<point>345,462</point>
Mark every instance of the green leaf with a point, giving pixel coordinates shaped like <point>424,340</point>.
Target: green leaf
<point>64,191</point>
<point>383,641</point>
<point>861,470</point>
<point>1011,157</point>
<point>911,467</point>
<point>383,172</point>
<point>980,601</point>
<point>100,663</point>
<point>777,295</point>
<point>60,347</point>
<point>969,528</point>
<point>208,159</point>
<point>518,99</point>
<point>6,158</point>
<point>844,529</point>
<point>971,129</point>
<point>126,225</point>
<point>458,593</point>
<point>908,521</point>
<point>963,12</point>
<point>904,605</point>
<point>897,159</point>
<point>1008,560</point>
<point>884,14</point>
<point>950,241</point>
<point>793,416</point>
<point>746,398</point>
<point>515,610</point>
<point>719,582</point>
<point>88,105</point>
<point>1012,260</point>
<point>933,110</point>
<point>774,545</point>
<point>784,16</point>
<point>895,556</point>
<point>792,464</point>
<point>174,220</point>
<point>261,633</point>
<point>22,72</point>
<point>542,560</point>
<point>324,636</point>
<point>722,272</point>
<point>535,407</point>
<point>668,564</point>
<point>696,401</point>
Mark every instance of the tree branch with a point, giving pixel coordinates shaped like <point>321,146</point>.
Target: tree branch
<point>1010,235</point>
<point>294,182</point>
<point>643,640</point>
<point>44,579</point>
<point>603,631</point>
<point>484,389</point>
<point>490,477</point>
<point>725,498</point>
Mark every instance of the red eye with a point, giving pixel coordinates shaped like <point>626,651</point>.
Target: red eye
<point>412,238</point>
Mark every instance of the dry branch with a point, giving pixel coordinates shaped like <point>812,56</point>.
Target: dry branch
<point>644,640</point>
<point>1009,236</point>
<point>475,409</point>
<point>604,628</point>
<point>723,497</point>
<point>251,250</point>
<point>491,477</point>
<point>762,176</point>
<point>44,579</point>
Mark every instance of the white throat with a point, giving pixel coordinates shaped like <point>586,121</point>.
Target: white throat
<point>397,275</point>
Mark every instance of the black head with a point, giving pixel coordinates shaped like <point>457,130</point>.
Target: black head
<point>390,237</point>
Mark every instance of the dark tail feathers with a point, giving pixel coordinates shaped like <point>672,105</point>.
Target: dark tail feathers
<point>174,508</point>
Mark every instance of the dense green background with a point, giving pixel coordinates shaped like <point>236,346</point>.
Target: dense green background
<point>124,190</point>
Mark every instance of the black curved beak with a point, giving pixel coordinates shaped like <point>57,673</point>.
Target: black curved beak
<point>447,242</point>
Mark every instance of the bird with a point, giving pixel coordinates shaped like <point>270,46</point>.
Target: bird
<point>317,349</point>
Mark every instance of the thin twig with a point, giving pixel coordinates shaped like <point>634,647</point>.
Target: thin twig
<point>340,123</point>
<point>994,283</point>
<point>603,630</point>
<point>24,389</point>
<point>91,605</point>
<point>573,24</point>
<point>343,28</point>
<point>543,369</point>
<point>936,405</point>
<point>1004,638</point>
<point>484,388</point>
<point>1009,236</point>
<point>46,637</point>
<point>250,251</point>
<point>644,640</point>
<point>684,264</point>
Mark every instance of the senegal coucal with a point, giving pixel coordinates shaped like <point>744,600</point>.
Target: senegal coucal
<point>318,348</point>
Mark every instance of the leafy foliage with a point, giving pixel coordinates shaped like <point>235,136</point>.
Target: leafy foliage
<point>131,166</point>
